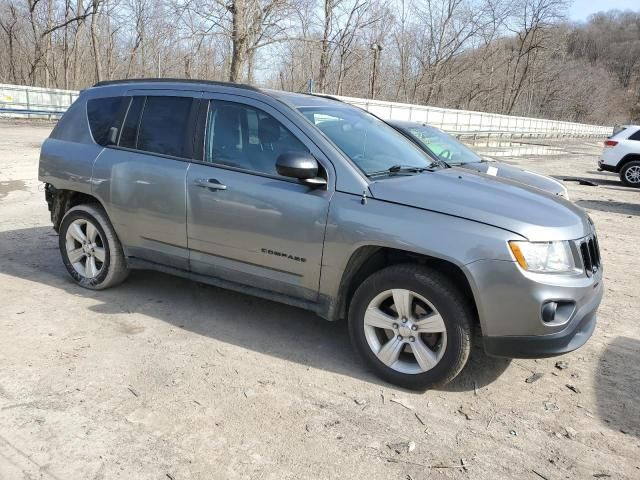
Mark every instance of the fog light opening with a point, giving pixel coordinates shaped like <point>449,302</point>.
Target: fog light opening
<point>549,312</point>
<point>558,312</point>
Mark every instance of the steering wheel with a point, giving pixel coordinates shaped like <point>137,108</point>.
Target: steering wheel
<point>446,154</point>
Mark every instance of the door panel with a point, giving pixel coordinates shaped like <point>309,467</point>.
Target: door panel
<point>142,181</point>
<point>259,231</point>
<point>244,222</point>
<point>145,198</point>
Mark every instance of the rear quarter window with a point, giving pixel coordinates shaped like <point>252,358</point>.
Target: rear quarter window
<point>104,114</point>
<point>635,136</point>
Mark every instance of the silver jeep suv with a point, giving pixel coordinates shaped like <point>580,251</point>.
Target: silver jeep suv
<point>318,204</point>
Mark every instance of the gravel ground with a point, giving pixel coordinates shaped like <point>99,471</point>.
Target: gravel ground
<point>162,378</point>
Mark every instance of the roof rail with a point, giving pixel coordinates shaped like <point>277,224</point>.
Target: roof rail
<point>323,95</point>
<point>174,80</point>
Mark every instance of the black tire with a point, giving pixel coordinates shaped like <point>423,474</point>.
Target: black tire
<point>113,270</point>
<point>635,165</point>
<point>447,300</point>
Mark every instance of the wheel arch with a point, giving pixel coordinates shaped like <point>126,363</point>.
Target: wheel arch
<point>60,201</point>
<point>369,259</point>
<point>628,158</point>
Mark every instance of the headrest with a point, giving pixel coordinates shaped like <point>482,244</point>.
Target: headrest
<point>268,130</point>
<point>226,128</point>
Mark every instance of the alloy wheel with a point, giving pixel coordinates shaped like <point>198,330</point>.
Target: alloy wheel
<point>405,331</point>
<point>85,248</point>
<point>632,174</point>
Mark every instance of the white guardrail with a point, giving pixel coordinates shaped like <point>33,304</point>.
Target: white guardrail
<point>19,101</point>
<point>470,123</point>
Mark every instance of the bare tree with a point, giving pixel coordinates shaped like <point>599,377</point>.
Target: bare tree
<point>517,57</point>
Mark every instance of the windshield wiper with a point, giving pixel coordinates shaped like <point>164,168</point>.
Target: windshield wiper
<point>442,163</point>
<point>400,169</point>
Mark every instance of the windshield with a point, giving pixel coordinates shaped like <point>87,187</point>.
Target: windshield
<point>370,143</point>
<point>444,146</point>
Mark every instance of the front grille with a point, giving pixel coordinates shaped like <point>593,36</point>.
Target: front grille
<point>590,253</point>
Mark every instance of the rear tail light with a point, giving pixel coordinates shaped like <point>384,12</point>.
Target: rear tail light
<point>610,143</point>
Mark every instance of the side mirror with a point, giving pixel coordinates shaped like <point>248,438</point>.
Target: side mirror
<point>300,165</point>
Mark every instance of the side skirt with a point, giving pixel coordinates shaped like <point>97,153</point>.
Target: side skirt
<point>319,308</point>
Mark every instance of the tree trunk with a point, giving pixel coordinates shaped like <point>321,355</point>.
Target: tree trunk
<point>94,42</point>
<point>324,46</point>
<point>239,41</point>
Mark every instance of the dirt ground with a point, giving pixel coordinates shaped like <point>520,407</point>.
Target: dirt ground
<point>163,378</point>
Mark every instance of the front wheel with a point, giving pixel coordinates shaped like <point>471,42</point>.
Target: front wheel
<point>630,174</point>
<point>412,326</point>
<point>90,248</point>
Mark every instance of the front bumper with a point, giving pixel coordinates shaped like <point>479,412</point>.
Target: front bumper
<point>510,305</point>
<point>531,346</point>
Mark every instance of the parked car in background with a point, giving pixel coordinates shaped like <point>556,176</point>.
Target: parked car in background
<point>315,203</point>
<point>621,154</point>
<point>444,147</point>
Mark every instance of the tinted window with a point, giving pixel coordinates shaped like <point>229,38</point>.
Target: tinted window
<point>103,114</point>
<point>129,135</point>
<point>635,136</point>
<point>245,137</point>
<point>444,146</point>
<point>618,129</point>
<point>165,126</point>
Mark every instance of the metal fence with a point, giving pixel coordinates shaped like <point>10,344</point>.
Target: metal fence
<point>33,102</point>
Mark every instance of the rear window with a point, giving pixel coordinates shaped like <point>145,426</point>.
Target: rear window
<point>104,114</point>
<point>617,130</point>
<point>164,127</point>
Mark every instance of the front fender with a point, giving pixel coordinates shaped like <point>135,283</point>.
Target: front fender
<point>353,225</point>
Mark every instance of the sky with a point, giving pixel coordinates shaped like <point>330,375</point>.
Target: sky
<point>581,9</point>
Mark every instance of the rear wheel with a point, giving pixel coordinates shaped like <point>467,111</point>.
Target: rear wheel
<point>630,174</point>
<point>411,325</point>
<point>90,248</point>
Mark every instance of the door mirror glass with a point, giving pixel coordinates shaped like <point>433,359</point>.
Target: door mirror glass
<point>298,165</point>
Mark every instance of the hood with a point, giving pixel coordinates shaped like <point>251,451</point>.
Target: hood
<point>527,211</point>
<point>504,170</point>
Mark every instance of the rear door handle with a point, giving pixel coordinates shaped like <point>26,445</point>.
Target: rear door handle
<point>211,184</point>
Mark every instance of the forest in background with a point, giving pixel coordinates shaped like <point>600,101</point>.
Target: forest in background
<point>517,57</point>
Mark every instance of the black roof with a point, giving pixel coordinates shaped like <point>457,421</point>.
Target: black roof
<point>175,80</point>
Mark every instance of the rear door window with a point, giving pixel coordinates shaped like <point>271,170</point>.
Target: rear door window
<point>165,127</point>
<point>129,135</point>
<point>105,114</point>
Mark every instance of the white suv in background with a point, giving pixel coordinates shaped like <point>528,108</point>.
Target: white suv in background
<point>621,154</point>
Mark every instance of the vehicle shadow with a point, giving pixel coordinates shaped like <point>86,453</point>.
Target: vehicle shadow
<point>618,386</point>
<point>249,322</point>
<point>610,206</point>
<point>480,371</point>
<point>601,179</point>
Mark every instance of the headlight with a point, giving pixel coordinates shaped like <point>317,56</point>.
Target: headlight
<point>544,257</point>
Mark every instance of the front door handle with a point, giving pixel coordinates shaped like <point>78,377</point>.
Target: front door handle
<point>210,183</point>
